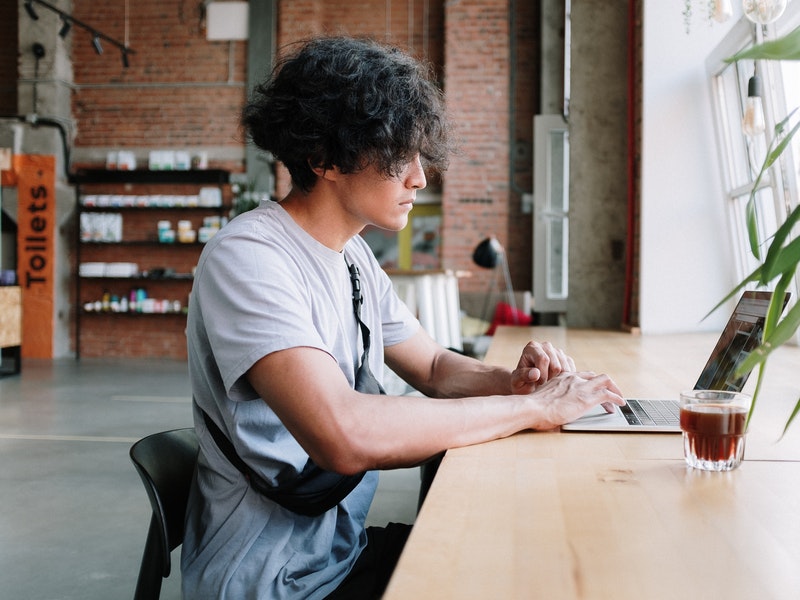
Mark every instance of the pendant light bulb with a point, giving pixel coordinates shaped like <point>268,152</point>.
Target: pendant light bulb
<point>98,47</point>
<point>753,122</point>
<point>722,10</point>
<point>763,12</point>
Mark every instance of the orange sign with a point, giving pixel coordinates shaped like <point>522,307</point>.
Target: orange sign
<point>36,230</point>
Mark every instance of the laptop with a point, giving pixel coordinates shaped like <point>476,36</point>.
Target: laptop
<point>741,336</point>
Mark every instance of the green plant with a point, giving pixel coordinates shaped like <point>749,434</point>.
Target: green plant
<point>708,6</point>
<point>779,264</point>
<point>245,197</point>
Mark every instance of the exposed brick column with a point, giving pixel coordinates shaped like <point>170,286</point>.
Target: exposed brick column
<point>476,187</point>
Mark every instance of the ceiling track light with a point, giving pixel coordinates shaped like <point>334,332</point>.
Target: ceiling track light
<point>68,21</point>
<point>31,12</point>
<point>64,31</point>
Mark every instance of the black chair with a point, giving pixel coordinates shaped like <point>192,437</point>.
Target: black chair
<point>166,462</point>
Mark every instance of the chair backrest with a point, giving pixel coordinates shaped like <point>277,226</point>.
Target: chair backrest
<point>166,462</point>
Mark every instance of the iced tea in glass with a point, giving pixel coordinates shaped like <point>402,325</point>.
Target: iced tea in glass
<point>713,424</point>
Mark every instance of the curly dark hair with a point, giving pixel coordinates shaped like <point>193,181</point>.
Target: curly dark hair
<point>349,103</point>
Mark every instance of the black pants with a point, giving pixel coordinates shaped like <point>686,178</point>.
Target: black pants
<point>371,573</point>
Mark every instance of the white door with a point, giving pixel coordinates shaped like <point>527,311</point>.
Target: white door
<point>550,214</point>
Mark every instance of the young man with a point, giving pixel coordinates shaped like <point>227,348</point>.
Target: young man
<point>281,364</point>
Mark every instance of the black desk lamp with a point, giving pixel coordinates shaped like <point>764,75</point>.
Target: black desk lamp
<point>488,254</point>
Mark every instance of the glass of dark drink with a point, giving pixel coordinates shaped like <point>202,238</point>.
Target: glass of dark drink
<point>713,424</point>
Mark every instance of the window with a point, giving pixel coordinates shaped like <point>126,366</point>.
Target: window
<point>741,156</point>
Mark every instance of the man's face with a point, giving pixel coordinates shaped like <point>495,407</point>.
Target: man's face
<point>380,201</point>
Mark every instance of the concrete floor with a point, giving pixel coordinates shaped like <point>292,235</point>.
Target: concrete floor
<point>73,512</point>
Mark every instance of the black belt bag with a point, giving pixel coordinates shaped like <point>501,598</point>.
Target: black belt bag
<point>314,491</point>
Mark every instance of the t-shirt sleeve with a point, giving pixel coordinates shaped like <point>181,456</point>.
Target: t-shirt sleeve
<point>251,306</point>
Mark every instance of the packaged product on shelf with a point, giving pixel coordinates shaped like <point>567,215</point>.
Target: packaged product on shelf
<point>101,227</point>
<point>126,161</point>
<point>210,196</point>
<point>183,161</point>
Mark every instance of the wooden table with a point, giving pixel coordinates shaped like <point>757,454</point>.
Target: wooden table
<point>574,515</point>
<point>11,328</point>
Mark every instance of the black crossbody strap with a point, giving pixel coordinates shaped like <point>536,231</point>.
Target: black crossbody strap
<point>314,491</point>
<point>365,380</point>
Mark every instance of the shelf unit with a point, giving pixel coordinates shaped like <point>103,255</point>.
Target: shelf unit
<point>164,269</point>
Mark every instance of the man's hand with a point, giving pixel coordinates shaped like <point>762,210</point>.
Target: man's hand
<point>539,363</point>
<point>566,397</point>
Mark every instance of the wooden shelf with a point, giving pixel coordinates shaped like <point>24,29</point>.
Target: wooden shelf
<point>141,176</point>
<point>175,277</point>
<point>152,242</point>
<point>130,313</point>
<point>139,243</point>
<point>116,209</point>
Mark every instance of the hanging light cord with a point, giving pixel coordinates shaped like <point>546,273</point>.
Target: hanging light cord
<point>126,25</point>
<point>96,34</point>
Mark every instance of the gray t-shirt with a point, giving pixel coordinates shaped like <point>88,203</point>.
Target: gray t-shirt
<point>262,285</point>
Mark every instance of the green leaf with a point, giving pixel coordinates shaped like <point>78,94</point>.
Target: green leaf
<point>782,125</point>
<point>784,48</point>
<point>786,261</point>
<point>791,418</point>
<point>782,333</point>
<point>754,276</point>
<point>780,260</point>
<point>751,217</point>
<point>752,221</point>
<point>786,257</point>
<point>778,150</point>
<point>754,359</point>
<point>776,303</point>
<point>762,368</point>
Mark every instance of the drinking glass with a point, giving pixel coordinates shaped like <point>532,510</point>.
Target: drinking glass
<point>713,424</point>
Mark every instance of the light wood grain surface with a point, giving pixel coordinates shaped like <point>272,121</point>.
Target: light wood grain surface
<point>575,515</point>
<point>10,316</point>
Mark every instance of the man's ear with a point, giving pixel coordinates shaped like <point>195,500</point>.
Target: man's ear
<point>323,173</point>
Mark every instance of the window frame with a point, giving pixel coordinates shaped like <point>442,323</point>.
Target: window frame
<point>778,190</point>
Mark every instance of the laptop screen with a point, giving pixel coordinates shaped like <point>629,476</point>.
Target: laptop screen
<point>741,336</point>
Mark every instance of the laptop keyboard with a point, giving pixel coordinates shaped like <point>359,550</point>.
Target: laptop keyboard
<point>652,412</point>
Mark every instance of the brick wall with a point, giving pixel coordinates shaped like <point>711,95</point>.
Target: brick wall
<point>180,91</point>
<point>405,24</point>
<point>482,190</point>
<point>183,91</point>
<point>114,335</point>
<point>475,202</point>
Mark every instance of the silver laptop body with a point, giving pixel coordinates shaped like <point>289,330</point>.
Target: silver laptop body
<point>741,335</point>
